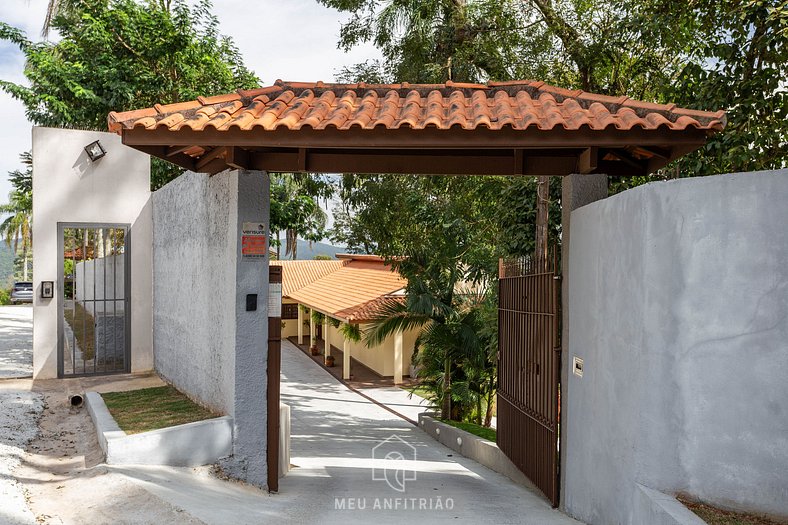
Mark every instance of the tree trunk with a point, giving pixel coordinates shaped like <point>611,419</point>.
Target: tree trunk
<point>24,265</point>
<point>446,405</point>
<point>542,216</point>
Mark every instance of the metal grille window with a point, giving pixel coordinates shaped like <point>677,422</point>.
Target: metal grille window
<point>289,311</point>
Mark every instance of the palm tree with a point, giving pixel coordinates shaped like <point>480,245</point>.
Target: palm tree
<point>451,344</point>
<point>17,228</point>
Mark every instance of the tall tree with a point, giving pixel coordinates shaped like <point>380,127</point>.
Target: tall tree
<point>121,55</point>
<point>17,228</point>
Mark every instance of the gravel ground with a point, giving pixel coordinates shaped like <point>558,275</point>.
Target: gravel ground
<point>19,413</point>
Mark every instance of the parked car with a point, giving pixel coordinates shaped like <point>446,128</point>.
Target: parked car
<point>22,293</point>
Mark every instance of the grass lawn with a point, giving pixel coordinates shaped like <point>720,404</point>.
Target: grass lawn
<point>715,516</point>
<point>478,430</point>
<point>420,391</point>
<point>151,408</point>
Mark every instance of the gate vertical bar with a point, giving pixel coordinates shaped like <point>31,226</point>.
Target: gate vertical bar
<point>528,373</point>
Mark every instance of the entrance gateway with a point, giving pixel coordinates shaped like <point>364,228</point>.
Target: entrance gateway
<point>520,128</point>
<point>94,318</point>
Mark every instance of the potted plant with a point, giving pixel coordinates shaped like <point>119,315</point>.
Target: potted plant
<point>313,349</point>
<point>329,360</point>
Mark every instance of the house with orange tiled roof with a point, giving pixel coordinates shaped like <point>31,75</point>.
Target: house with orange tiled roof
<point>346,290</point>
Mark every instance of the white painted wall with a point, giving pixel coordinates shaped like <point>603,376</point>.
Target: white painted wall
<point>194,286</point>
<point>678,305</point>
<point>70,188</point>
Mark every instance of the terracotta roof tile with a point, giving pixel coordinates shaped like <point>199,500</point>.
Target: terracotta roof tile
<point>348,289</point>
<point>297,274</point>
<point>518,104</point>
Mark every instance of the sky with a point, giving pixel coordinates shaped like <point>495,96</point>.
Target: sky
<point>279,39</point>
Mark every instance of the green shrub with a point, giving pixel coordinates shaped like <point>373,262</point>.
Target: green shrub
<point>5,297</point>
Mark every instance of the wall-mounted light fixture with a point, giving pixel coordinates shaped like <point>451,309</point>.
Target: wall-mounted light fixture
<point>95,151</point>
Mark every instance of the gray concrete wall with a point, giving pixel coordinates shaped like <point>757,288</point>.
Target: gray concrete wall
<point>70,188</point>
<point>194,286</point>
<point>678,303</point>
<point>206,342</point>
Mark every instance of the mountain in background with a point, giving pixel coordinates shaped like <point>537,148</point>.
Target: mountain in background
<point>6,265</point>
<point>304,251</point>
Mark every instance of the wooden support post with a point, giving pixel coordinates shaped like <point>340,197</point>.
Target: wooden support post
<point>274,369</point>
<point>312,329</point>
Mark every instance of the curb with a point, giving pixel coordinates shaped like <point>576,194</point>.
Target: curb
<point>189,445</point>
<point>473,447</point>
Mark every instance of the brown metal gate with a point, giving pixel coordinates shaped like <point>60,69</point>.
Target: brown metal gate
<point>529,368</point>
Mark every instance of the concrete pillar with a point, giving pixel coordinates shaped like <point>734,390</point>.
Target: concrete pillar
<point>251,336</point>
<point>300,325</point>
<point>312,329</point>
<point>576,191</point>
<point>326,338</point>
<point>398,357</point>
<point>346,359</point>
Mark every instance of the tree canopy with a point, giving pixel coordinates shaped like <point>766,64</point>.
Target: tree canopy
<point>121,55</point>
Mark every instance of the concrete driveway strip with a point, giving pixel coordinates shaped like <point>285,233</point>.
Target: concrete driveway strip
<point>340,477</point>
<point>16,341</point>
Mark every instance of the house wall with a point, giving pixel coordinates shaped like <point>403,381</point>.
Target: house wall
<point>678,303</point>
<point>290,326</point>
<point>68,187</point>
<point>379,358</point>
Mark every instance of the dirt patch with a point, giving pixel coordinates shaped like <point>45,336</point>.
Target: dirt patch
<point>715,516</point>
<point>65,481</point>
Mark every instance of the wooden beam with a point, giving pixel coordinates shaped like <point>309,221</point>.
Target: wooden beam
<point>431,138</point>
<point>519,162</point>
<point>176,149</point>
<point>588,160</point>
<point>326,161</point>
<point>209,156</point>
<point>179,159</point>
<point>301,160</point>
<point>237,158</point>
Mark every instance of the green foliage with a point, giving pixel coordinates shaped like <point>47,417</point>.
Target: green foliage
<point>117,55</point>
<point>5,296</point>
<point>295,208</point>
<point>351,332</point>
<point>17,228</point>
<point>334,322</point>
<point>483,432</point>
<point>317,317</point>
<point>322,257</point>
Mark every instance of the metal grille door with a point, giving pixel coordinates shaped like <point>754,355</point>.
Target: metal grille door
<point>93,294</point>
<point>529,369</point>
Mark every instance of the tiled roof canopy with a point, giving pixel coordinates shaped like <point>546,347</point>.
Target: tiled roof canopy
<point>350,289</point>
<point>508,128</point>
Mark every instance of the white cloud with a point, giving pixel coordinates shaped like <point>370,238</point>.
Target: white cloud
<point>287,39</point>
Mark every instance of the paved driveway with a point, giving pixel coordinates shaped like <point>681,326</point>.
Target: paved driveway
<point>335,433</point>
<point>16,341</point>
